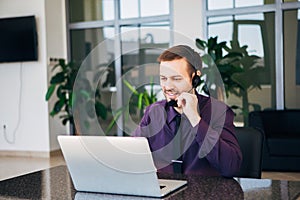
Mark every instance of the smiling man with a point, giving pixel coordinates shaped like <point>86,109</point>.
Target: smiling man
<point>189,133</point>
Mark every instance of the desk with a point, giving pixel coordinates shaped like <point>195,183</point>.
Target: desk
<point>55,183</point>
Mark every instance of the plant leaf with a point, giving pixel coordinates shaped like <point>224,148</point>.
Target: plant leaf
<point>50,92</point>
<point>101,110</point>
<point>132,89</point>
<point>58,78</point>
<point>140,100</point>
<point>201,44</point>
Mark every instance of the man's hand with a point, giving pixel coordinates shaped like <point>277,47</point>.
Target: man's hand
<point>188,104</point>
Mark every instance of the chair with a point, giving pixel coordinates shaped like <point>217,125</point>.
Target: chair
<point>251,144</point>
<point>282,138</point>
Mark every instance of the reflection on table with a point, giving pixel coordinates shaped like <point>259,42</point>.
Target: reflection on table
<point>55,183</point>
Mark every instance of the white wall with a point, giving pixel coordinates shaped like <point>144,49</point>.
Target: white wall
<point>188,21</point>
<point>32,134</point>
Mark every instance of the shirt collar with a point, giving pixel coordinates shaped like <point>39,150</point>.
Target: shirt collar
<point>171,114</point>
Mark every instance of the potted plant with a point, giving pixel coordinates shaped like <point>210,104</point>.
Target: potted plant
<point>238,70</point>
<point>61,84</point>
<point>139,100</point>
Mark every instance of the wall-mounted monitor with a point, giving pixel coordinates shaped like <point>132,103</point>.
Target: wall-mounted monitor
<point>18,39</point>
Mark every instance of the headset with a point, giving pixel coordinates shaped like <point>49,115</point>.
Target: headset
<point>196,80</point>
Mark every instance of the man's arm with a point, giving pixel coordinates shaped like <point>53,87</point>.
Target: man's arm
<point>218,143</point>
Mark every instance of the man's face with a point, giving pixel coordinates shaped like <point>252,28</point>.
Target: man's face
<point>175,78</point>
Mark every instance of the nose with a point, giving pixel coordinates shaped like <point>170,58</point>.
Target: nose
<point>167,85</point>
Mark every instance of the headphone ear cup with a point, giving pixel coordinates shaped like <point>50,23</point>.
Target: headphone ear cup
<point>196,81</point>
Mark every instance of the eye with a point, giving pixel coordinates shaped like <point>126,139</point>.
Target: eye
<point>177,78</point>
<point>162,78</point>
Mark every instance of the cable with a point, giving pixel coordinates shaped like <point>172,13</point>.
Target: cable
<point>19,111</point>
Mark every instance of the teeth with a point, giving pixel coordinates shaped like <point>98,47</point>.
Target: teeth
<point>171,94</point>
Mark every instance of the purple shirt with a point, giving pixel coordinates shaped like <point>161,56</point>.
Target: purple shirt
<point>210,148</point>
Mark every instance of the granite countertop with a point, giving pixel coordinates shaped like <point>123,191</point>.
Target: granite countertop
<point>55,183</point>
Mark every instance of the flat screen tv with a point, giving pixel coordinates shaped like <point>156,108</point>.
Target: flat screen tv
<point>18,39</point>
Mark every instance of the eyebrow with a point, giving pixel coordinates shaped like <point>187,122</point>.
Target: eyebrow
<point>175,76</point>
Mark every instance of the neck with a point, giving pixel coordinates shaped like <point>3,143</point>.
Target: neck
<point>190,90</point>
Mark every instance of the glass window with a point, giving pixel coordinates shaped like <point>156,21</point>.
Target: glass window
<point>256,33</point>
<point>243,3</point>
<point>91,10</point>
<point>141,46</point>
<point>221,27</point>
<point>129,9</point>
<point>291,34</point>
<point>143,8</point>
<point>219,4</point>
<point>261,32</point>
<point>85,40</point>
<point>224,4</point>
<point>151,8</point>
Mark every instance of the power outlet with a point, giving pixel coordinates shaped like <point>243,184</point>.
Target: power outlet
<point>53,61</point>
<point>3,128</point>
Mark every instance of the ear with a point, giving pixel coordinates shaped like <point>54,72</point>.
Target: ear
<point>198,73</point>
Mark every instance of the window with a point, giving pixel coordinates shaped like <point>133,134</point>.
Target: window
<point>118,36</point>
<point>260,25</point>
<point>223,4</point>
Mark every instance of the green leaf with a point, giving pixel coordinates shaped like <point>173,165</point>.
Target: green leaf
<point>140,100</point>
<point>59,92</point>
<point>85,94</point>
<point>131,88</point>
<point>58,78</point>
<point>53,113</point>
<point>62,63</point>
<point>115,119</point>
<point>59,105</point>
<point>72,99</point>
<point>200,44</point>
<point>146,98</point>
<point>86,124</point>
<point>50,92</point>
<point>101,110</point>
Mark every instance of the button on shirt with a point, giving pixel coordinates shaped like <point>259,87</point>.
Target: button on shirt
<point>210,148</point>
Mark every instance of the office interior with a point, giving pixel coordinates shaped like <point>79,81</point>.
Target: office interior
<point>137,30</point>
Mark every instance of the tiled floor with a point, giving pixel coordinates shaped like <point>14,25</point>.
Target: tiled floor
<point>15,166</point>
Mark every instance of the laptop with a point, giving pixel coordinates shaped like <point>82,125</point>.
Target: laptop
<point>114,165</point>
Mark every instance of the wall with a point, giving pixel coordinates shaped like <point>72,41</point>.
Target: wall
<point>188,22</point>
<point>23,86</point>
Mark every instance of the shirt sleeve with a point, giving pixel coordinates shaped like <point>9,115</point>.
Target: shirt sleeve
<point>152,122</point>
<point>218,143</point>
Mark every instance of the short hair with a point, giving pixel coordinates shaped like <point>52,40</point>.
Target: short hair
<point>182,51</point>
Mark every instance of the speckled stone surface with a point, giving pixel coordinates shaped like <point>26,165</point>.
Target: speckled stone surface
<point>55,183</point>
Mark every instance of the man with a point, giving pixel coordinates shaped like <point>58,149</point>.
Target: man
<point>189,133</point>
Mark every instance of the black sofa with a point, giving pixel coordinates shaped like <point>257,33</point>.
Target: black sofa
<point>281,150</point>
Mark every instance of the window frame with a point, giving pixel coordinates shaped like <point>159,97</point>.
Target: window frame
<point>278,7</point>
<point>117,23</point>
